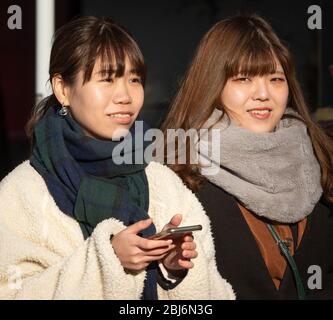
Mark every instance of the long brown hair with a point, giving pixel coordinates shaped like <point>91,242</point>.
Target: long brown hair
<point>246,45</point>
<point>77,45</point>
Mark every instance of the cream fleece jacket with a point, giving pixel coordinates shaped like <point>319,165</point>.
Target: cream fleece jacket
<point>43,254</point>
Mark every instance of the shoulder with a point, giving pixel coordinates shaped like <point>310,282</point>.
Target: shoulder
<point>22,176</point>
<point>169,193</point>
<point>209,192</point>
<point>323,209</point>
<point>325,205</point>
<point>162,178</point>
<point>28,209</point>
<point>156,169</point>
<point>22,189</point>
<point>160,175</point>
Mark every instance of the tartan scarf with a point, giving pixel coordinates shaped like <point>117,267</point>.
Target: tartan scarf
<point>86,181</point>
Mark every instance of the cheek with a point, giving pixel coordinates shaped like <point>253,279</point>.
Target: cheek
<point>84,97</point>
<point>281,97</point>
<point>234,98</point>
<point>285,99</point>
<point>86,102</point>
<point>138,98</point>
<point>99,96</point>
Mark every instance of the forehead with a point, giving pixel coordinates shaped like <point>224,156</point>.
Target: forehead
<point>101,67</point>
<point>255,62</point>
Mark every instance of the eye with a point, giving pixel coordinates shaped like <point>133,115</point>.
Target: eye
<point>110,80</point>
<point>242,79</point>
<point>278,79</point>
<point>136,80</point>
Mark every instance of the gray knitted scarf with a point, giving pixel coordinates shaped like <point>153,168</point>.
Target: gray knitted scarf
<point>276,175</point>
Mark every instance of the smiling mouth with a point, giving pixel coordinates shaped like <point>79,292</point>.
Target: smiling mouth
<point>121,118</point>
<point>260,113</point>
<point>121,115</point>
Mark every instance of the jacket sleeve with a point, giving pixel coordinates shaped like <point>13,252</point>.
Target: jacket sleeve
<point>43,254</point>
<point>203,281</point>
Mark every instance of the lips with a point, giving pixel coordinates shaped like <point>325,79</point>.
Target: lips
<point>260,109</point>
<point>121,117</point>
<point>120,114</point>
<point>261,113</point>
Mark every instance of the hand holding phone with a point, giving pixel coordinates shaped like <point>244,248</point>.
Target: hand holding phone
<point>176,232</point>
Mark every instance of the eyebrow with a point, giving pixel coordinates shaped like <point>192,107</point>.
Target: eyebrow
<point>279,71</point>
<point>112,71</point>
<point>105,71</point>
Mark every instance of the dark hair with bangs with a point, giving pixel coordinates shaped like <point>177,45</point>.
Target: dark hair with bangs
<point>78,45</point>
<point>244,44</point>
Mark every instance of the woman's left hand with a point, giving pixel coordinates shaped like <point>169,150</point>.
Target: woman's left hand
<point>180,257</point>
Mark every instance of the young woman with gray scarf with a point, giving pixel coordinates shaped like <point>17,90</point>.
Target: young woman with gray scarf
<point>270,194</point>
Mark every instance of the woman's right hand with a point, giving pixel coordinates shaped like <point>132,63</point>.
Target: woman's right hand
<point>136,253</point>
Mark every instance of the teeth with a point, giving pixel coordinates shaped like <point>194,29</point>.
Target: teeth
<point>260,111</point>
<point>120,115</point>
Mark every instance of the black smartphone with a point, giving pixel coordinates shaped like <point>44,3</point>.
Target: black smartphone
<point>175,232</point>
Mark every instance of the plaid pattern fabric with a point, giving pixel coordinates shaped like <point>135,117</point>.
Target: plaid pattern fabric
<point>85,180</point>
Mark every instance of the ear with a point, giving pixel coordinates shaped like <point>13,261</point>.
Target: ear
<point>60,90</point>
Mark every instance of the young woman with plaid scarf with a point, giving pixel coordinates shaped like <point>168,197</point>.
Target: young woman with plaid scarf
<point>73,221</point>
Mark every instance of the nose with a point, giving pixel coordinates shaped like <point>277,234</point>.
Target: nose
<point>121,94</point>
<point>260,91</point>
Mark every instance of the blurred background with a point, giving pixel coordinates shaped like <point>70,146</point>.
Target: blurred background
<point>168,33</point>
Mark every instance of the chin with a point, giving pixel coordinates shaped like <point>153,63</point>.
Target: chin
<point>261,128</point>
<point>119,132</point>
